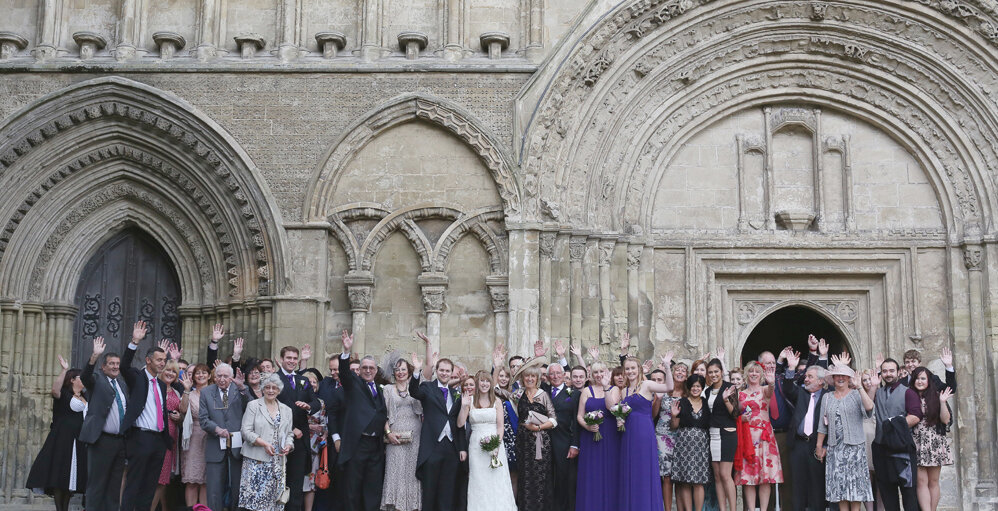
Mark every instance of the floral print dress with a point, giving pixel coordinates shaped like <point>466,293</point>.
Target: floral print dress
<point>765,467</point>
<point>665,436</point>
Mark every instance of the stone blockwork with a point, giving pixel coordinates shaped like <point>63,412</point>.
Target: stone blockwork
<point>676,170</point>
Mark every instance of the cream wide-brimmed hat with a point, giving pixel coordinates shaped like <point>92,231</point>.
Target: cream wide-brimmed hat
<point>838,370</point>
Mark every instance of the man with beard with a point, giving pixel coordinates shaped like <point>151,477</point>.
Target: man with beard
<point>895,467</point>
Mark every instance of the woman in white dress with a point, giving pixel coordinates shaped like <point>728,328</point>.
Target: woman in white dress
<point>489,489</point>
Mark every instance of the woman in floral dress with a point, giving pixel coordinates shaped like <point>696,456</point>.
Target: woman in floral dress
<point>764,469</point>
<point>401,491</point>
<point>267,437</point>
<point>934,448</point>
<point>665,435</point>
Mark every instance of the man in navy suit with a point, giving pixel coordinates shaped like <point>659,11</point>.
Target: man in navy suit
<point>362,448</point>
<point>147,437</point>
<point>442,446</point>
<point>809,472</point>
<point>331,393</point>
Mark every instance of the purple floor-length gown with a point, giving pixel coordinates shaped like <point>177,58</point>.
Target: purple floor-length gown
<point>597,480</point>
<point>640,485</point>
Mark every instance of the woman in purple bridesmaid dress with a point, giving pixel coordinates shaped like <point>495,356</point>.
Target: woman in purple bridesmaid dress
<point>597,485</point>
<point>640,485</point>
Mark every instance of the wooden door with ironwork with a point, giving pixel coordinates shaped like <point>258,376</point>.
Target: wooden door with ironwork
<point>129,278</point>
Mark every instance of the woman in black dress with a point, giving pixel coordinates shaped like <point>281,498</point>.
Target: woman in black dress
<point>536,481</point>
<point>60,469</point>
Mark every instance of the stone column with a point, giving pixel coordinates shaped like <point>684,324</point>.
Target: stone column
<point>129,44</point>
<point>633,283</point>
<point>499,294</point>
<point>535,31</point>
<point>576,252</point>
<point>290,26</point>
<point>646,299</point>
<point>360,289</point>
<point>433,287</point>
<point>973,259</point>
<point>211,24</point>
<point>370,30</point>
<point>524,283</point>
<point>453,31</point>
<point>546,246</point>
<point>591,297</point>
<point>606,326</point>
<point>50,29</point>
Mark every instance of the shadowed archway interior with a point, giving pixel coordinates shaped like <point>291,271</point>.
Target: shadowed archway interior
<point>790,326</point>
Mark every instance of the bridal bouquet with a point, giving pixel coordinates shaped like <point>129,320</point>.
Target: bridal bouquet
<point>490,444</point>
<point>621,411</point>
<point>594,418</point>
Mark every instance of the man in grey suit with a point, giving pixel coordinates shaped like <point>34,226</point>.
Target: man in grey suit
<point>101,430</point>
<point>221,416</point>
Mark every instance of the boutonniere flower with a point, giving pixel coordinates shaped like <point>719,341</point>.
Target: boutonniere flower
<point>568,390</point>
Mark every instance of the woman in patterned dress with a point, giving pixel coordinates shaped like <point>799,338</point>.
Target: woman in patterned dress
<point>176,407</point>
<point>536,481</point>
<point>764,469</point>
<point>663,430</point>
<point>691,456</point>
<point>401,491</point>
<point>931,442</point>
<point>193,466</point>
<point>847,477</point>
<point>267,439</point>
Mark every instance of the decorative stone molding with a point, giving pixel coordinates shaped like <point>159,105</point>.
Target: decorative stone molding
<point>90,43</point>
<point>412,43</point>
<point>634,256</point>
<point>249,44</point>
<point>606,252</point>
<point>546,244</point>
<point>973,257</point>
<point>10,44</point>
<point>330,43</point>
<point>797,221</point>
<point>169,43</point>
<point>498,292</point>
<point>433,286</point>
<point>577,249</point>
<point>404,109</point>
<point>494,43</point>
<point>360,289</point>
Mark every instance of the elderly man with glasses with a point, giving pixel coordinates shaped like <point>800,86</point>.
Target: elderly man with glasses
<point>221,416</point>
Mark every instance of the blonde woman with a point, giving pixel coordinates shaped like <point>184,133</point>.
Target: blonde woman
<point>758,473</point>
<point>533,445</point>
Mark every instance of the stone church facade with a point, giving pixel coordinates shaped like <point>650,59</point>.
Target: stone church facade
<point>501,171</point>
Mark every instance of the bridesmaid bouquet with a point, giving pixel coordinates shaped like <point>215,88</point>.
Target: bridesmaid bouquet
<point>490,444</point>
<point>594,418</point>
<point>621,411</point>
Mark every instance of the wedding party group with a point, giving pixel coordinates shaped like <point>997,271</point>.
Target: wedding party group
<point>531,433</point>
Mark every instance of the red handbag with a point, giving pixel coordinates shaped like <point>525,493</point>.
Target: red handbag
<point>322,474</point>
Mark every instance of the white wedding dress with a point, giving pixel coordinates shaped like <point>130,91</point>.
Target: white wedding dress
<point>489,489</point>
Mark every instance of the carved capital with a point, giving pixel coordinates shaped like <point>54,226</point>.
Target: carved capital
<point>577,249</point>
<point>360,298</point>
<point>973,257</point>
<point>606,252</point>
<point>547,244</point>
<point>634,256</point>
<point>433,298</point>
<point>500,298</point>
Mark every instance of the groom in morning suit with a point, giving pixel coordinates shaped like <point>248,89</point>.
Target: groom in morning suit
<point>101,430</point>
<point>362,449</point>
<point>299,396</point>
<point>442,446</point>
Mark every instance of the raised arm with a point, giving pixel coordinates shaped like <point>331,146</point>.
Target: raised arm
<point>57,384</point>
<point>462,417</point>
<point>431,357</point>
<point>217,332</point>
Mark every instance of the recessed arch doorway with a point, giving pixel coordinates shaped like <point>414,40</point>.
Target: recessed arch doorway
<point>790,326</point>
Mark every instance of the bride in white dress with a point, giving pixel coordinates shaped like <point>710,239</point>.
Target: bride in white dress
<point>489,489</point>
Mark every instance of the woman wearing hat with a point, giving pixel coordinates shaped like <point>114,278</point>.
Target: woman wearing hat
<point>847,476</point>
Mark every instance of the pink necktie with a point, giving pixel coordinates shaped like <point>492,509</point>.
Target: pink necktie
<point>159,405</point>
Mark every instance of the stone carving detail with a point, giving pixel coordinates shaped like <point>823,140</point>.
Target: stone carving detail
<point>105,196</point>
<point>183,135</point>
<point>546,244</point>
<point>360,298</point>
<point>746,312</point>
<point>499,296</point>
<point>634,256</point>
<point>433,298</point>
<point>576,250</point>
<point>818,10</point>
<point>606,252</point>
<point>973,257</point>
<point>846,311</point>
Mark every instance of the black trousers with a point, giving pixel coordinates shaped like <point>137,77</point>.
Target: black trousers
<point>564,478</point>
<point>809,476</point>
<point>105,466</point>
<point>331,499</point>
<point>365,475</point>
<point>145,451</point>
<point>889,487</point>
<point>437,476</point>
<point>299,461</point>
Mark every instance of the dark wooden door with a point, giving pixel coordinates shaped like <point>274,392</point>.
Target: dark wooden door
<point>129,278</point>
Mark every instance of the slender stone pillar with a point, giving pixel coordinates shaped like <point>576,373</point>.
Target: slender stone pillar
<point>370,30</point>
<point>454,30</point>
<point>535,30</point>
<point>524,283</point>
<point>606,326</point>
<point>50,29</point>
<point>360,289</point>
<point>211,24</point>
<point>973,259</point>
<point>433,287</point>
<point>290,26</point>
<point>129,43</point>
<point>633,299</point>
<point>576,252</point>
<point>499,294</point>
<point>546,246</point>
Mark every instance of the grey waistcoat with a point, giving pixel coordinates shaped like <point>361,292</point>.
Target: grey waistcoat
<point>886,406</point>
